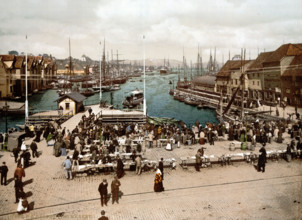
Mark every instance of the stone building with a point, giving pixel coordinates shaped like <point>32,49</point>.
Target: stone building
<point>291,80</point>
<point>265,73</point>
<point>229,77</point>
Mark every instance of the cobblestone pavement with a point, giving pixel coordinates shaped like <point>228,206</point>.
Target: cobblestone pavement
<point>236,191</point>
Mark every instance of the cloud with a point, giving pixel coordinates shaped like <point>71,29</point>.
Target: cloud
<point>169,26</point>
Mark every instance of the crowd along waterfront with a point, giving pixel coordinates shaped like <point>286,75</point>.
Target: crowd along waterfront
<point>159,102</point>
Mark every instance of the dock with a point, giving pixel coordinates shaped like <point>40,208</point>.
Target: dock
<point>107,115</point>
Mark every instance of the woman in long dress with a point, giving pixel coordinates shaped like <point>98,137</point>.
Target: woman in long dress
<point>22,205</point>
<point>158,182</point>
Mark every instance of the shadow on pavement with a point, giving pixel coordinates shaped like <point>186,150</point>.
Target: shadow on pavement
<point>9,181</point>
<point>28,182</point>
<point>120,194</point>
<point>31,206</point>
<point>28,194</point>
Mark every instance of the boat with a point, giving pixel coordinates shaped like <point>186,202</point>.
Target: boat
<point>106,88</point>
<point>178,97</point>
<point>134,99</point>
<point>87,92</point>
<point>115,87</point>
<point>204,106</point>
<point>62,92</point>
<point>191,101</point>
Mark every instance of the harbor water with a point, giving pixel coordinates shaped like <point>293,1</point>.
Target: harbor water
<point>159,102</point>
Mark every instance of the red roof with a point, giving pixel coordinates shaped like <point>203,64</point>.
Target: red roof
<point>225,71</point>
<point>19,62</point>
<point>258,63</point>
<point>8,57</point>
<point>284,50</point>
<point>30,62</point>
<point>295,67</point>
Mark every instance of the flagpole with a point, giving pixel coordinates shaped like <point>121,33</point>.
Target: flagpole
<point>101,75</point>
<point>26,86</point>
<point>145,104</point>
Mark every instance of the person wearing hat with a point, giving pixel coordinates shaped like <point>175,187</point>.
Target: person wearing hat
<point>103,216</point>
<point>4,171</point>
<point>67,166</point>
<point>115,187</point>
<point>103,192</point>
<point>262,159</point>
<point>34,148</point>
<point>158,182</point>
<point>120,168</point>
<point>161,167</point>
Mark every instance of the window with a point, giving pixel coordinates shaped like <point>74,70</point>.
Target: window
<point>253,82</point>
<point>236,82</point>
<point>257,83</point>
<point>67,106</point>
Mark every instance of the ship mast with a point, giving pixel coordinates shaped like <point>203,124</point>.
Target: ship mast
<point>70,61</point>
<point>145,104</point>
<point>101,76</point>
<point>26,86</point>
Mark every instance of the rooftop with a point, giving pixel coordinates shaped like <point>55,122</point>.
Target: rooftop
<point>77,97</point>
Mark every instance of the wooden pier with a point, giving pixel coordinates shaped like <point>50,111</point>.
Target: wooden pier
<point>47,116</point>
<point>213,101</point>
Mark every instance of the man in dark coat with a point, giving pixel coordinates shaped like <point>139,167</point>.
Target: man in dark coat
<point>120,168</point>
<point>103,192</point>
<point>34,148</point>
<point>262,159</point>
<point>18,189</point>
<point>16,153</point>
<point>161,167</point>
<point>115,188</point>
<point>4,171</point>
<point>197,161</point>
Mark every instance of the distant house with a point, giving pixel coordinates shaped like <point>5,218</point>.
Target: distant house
<point>71,103</point>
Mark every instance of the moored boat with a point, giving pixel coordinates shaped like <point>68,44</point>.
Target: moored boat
<point>135,98</point>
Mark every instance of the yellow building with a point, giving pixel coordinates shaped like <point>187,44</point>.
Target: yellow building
<point>71,103</point>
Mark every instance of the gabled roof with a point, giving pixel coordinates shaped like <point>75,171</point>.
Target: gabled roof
<point>8,57</point>
<point>19,62</point>
<point>284,50</point>
<point>38,59</point>
<point>295,67</point>
<point>230,65</point>
<point>258,63</point>
<point>75,96</point>
<point>30,62</point>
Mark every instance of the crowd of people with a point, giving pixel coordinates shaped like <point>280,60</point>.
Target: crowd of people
<point>106,139</point>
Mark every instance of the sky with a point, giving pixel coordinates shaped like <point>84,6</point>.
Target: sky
<point>171,27</point>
